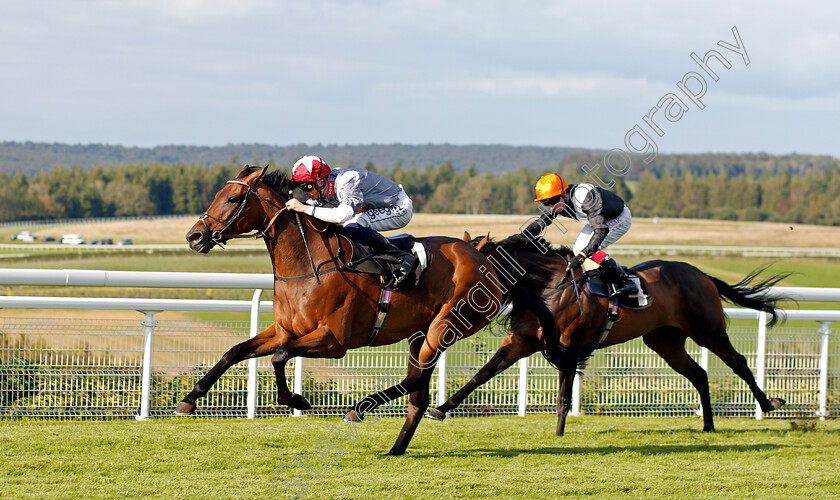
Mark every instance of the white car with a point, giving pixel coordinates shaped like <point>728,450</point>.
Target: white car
<point>25,236</point>
<point>72,239</point>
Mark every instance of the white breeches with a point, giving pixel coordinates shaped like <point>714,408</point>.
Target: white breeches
<point>618,227</point>
<point>385,218</point>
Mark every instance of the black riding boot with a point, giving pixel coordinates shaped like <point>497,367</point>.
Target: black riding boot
<point>622,286</point>
<point>381,245</point>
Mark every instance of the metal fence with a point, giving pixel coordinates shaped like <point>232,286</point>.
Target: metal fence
<point>97,368</point>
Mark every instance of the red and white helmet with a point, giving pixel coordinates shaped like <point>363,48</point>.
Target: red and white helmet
<point>309,169</point>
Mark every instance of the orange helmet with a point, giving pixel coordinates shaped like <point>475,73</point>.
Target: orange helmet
<point>549,186</point>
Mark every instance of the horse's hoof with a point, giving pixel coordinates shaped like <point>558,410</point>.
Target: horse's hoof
<point>353,416</point>
<point>184,409</point>
<point>395,453</point>
<point>436,414</point>
<point>776,403</point>
<point>299,402</point>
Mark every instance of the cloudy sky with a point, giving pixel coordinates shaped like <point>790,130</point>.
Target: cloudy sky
<point>215,72</point>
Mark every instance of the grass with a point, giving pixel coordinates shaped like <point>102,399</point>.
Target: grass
<point>487,457</point>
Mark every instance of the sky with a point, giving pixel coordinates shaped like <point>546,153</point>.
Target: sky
<point>570,74</point>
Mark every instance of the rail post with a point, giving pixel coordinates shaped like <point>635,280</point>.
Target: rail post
<point>441,381</point>
<point>825,332</point>
<point>146,381</point>
<point>252,363</point>
<point>522,398</point>
<point>297,386</point>
<point>761,358</point>
<point>575,410</point>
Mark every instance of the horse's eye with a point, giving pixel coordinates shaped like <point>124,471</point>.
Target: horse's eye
<point>232,199</point>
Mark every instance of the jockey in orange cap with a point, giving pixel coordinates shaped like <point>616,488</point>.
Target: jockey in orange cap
<point>361,202</point>
<point>606,216</point>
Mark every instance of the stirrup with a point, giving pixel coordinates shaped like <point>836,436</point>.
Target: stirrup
<point>405,269</point>
<point>627,288</point>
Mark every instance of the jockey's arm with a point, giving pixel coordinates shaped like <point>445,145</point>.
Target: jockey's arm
<point>593,207</point>
<point>537,227</point>
<point>349,194</point>
<point>338,215</point>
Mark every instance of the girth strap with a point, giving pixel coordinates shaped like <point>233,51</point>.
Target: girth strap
<point>612,317</point>
<point>381,311</point>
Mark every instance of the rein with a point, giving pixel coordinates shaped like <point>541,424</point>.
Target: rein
<point>219,237</point>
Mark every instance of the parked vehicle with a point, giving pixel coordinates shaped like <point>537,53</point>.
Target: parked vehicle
<point>47,239</point>
<point>72,239</point>
<point>24,236</point>
<point>103,241</point>
<point>125,242</point>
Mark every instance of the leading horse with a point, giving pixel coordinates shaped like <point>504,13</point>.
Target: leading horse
<point>323,314</point>
<point>686,304</point>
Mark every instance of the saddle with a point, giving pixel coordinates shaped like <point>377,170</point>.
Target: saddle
<point>599,283</point>
<point>364,260</point>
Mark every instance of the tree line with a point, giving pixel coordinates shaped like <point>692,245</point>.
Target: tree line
<point>675,188</point>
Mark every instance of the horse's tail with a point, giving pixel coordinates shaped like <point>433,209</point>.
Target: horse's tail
<point>756,296</point>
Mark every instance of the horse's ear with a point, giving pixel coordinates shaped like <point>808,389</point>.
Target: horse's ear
<point>263,171</point>
<point>467,237</point>
<point>483,243</point>
<point>254,173</point>
<point>247,169</point>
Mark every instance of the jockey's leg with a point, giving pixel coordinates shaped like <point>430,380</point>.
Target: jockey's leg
<point>364,228</point>
<point>600,259</point>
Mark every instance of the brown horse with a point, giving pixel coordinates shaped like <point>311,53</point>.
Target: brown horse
<point>456,296</point>
<point>686,304</point>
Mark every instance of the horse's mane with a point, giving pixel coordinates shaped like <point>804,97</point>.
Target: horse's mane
<point>524,244</point>
<point>277,180</point>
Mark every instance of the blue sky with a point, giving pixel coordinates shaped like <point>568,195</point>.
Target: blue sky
<point>214,72</point>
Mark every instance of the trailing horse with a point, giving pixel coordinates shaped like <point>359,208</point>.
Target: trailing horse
<point>686,303</point>
<point>321,311</point>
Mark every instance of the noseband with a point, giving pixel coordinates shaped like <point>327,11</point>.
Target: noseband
<point>219,237</point>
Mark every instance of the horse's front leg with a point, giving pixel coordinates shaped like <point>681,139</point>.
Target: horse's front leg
<point>515,347</point>
<point>260,345</point>
<point>564,396</point>
<point>320,343</point>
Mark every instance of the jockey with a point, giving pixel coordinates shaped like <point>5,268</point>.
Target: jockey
<point>361,202</point>
<point>606,216</point>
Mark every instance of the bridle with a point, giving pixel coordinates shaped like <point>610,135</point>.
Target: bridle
<point>219,237</point>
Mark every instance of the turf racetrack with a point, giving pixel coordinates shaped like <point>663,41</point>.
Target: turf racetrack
<point>487,457</point>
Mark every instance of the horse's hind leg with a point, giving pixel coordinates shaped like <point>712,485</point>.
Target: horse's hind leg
<point>670,344</point>
<point>251,348</point>
<point>723,348</point>
<point>513,348</point>
<point>418,402</point>
<point>407,386</point>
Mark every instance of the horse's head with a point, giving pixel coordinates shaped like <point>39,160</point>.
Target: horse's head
<point>235,211</point>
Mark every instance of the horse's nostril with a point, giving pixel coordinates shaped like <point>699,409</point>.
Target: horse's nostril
<point>194,236</point>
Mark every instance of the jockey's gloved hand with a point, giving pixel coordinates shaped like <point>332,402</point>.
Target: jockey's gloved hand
<point>575,262</point>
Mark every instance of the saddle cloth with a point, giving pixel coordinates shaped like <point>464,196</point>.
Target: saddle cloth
<point>599,284</point>
<point>385,265</point>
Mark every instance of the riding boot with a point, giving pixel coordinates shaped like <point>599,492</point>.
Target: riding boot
<point>381,245</point>
<point>623,285</point>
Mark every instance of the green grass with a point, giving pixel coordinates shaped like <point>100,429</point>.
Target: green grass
<point>495,457</point>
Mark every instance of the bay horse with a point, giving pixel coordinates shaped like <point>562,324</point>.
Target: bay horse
<point>686,304</point>
<point>323,314</point>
